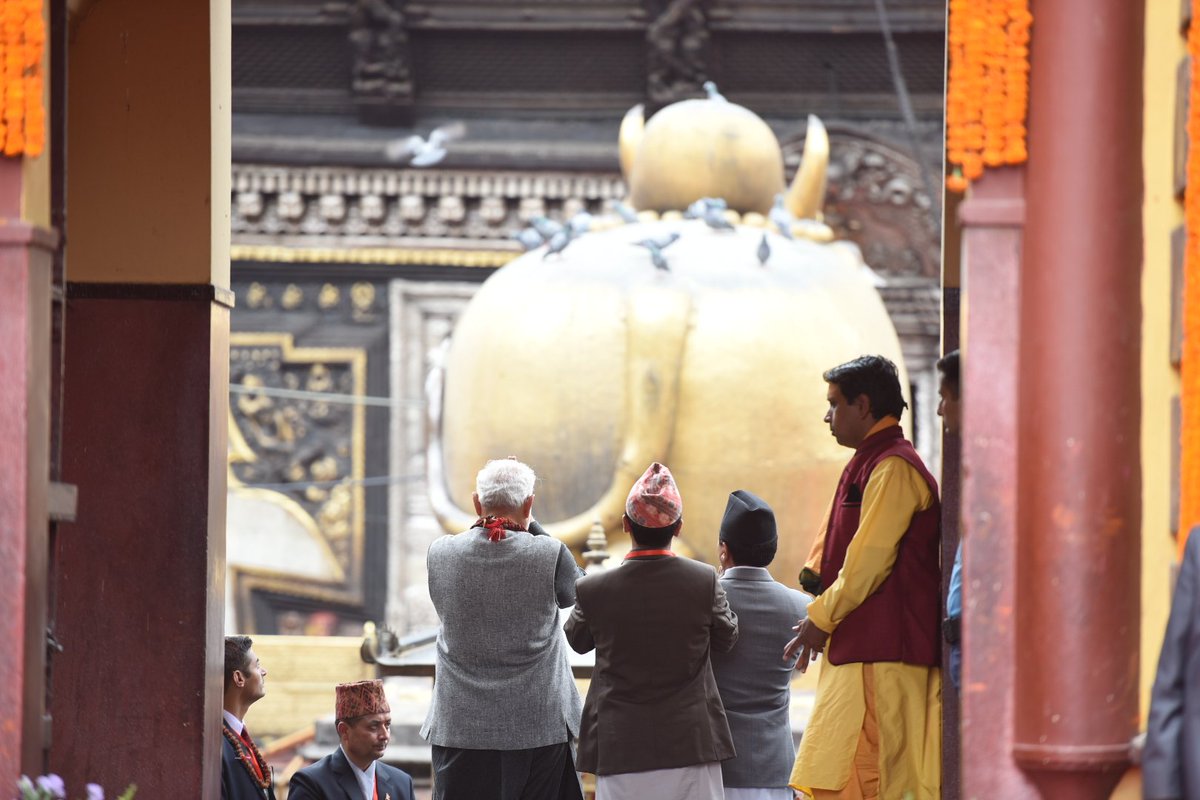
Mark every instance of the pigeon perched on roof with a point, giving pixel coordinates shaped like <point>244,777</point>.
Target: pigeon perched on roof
<point>781,217</point>
<point>656,246</point>
<point>418,152</point>
<point>764,251</point>
<point>710,89</point>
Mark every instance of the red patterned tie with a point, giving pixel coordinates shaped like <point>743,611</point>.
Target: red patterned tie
<point>250,752</point>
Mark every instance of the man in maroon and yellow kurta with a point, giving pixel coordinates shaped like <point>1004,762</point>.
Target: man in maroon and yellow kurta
<point>875,730</point>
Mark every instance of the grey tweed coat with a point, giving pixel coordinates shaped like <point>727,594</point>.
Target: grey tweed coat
<point>503,680</point>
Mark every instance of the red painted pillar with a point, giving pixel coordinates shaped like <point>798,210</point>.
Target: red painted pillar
<point>1077,620</point>
<point>137,688</point>
<point>992,218</point>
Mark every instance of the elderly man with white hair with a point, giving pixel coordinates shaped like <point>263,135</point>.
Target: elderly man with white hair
<point>505,706</point>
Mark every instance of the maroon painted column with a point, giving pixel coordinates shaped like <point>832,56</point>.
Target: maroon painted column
<point>137,688</point>
<point>1080,327</point>
<point>25,279</point>
<point>992,219</point>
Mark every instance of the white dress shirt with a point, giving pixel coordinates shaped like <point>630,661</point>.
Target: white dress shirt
<point>366,779</point>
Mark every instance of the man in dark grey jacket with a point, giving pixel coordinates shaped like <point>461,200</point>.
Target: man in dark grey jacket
<point>505,704</point>
<point>653,725</point>
<point>1171,759</point>
<point>755,683</point>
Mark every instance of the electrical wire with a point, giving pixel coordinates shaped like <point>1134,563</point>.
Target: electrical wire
<point>378,480</point>
<point>327,397</point>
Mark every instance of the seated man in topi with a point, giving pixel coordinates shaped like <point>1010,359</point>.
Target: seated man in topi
<point>353,771</point>
<point>505,706</point>
<point>653,724</point>
<point>755,684</point>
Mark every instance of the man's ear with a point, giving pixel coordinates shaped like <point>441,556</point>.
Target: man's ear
<point>478,505</point>
<point>625,523</point>
<point>678,528</point>
<point>862,405</point>
<point>527,507</point>
<point>239,679</point>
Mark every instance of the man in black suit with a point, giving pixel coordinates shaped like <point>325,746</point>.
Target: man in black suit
<point>353,771</point>
<point>244,772</point>
<point>1171,759</point>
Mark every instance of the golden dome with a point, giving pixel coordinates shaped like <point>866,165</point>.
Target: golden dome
<point>711,366</point>
<point>706,148</point>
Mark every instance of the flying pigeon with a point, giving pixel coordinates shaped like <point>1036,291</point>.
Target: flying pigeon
<point>420,152</point>
<point>764,251</point>
<point>781,217</point>
<point>627,214</point>
<point>656,246</point>
<point>710,89</point>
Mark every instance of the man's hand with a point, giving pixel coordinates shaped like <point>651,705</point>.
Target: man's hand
<point>809,641</point>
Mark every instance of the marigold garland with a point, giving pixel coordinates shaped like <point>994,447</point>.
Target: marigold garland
<point>987,91</point>
<point>22,45</point>
<point>1189,445</point>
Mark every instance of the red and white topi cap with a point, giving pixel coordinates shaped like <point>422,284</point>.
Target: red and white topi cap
<point>654,500</point>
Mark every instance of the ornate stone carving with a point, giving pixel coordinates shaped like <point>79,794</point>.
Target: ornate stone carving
<point>382,78</point>
<point>677,51</point>
<point>876,199</point>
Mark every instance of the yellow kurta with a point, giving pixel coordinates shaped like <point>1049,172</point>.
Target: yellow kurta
<point>907,699</point>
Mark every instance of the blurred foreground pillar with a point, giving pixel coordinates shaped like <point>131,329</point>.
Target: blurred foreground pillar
<point>1079,481</point>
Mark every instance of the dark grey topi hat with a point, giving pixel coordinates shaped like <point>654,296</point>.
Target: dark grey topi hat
<point>748,520</point>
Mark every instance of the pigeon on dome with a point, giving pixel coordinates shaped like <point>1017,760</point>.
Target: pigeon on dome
<point>764,251</point>
<point>781,217</point>
<point>710,89</point>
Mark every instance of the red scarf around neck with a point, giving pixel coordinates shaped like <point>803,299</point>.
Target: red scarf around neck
<point>496,527</point>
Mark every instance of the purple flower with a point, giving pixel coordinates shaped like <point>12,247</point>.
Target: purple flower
<point>95,792</point>
<point>25,786</point>
<point>53,784</point>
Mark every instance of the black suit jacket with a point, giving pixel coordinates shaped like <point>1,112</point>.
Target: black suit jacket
<point>1171,759</point>
<point>236,782</point>
<point>331,778</point>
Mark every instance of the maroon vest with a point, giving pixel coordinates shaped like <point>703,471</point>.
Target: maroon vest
<point>901,620</point>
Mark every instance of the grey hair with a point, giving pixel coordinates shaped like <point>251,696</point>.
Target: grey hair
<point>504,484</point>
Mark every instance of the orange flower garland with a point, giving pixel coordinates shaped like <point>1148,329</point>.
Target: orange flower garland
<point>1189,446</point>
<point>988,88</point>
<point>22,45</point>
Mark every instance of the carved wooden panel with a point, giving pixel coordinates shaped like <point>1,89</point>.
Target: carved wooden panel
<point>307,505</point>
